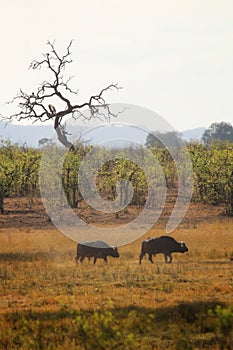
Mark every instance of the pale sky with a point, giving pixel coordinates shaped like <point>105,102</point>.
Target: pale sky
<point>174,57</point>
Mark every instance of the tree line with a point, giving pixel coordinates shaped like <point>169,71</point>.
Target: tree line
<point>212,167</point>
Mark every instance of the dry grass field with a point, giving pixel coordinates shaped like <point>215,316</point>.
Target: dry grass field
<point>47,302</point>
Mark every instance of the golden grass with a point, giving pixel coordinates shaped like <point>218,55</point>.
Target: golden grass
<point>37,271</point>
<point>47,302</point>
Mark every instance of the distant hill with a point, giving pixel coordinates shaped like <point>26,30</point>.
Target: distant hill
<point>31,134</point>
<point>193,134</point>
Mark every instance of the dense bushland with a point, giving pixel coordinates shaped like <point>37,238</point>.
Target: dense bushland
<point>212,166</point>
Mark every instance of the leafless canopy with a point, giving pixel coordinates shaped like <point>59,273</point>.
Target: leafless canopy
<point>37,105</point>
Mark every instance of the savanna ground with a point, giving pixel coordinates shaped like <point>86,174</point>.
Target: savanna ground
<point>47,302</point>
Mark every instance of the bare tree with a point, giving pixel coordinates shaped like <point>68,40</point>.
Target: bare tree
<point>37,105</point>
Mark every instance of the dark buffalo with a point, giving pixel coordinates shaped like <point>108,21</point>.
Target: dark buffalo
<point>162,245</point>
<point>96,250</point>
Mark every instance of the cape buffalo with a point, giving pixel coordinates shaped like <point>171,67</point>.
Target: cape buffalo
<point>162,245</point>
<point>97,250</point>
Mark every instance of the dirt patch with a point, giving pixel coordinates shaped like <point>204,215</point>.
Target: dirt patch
<point>30,213</point>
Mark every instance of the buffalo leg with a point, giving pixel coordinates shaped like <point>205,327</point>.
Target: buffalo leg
<point>95,260</point>
<point>105,259</point>
<point>166,256</point>
<point>140,257</point>
<point>170,256</point>
<point>150,258</point>
<point>82,258</point>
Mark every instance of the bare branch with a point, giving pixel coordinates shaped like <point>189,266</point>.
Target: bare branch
<point>36,106</point>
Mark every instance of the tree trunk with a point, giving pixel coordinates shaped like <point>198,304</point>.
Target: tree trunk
<point>231,196</point>
<point>1,203</point>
